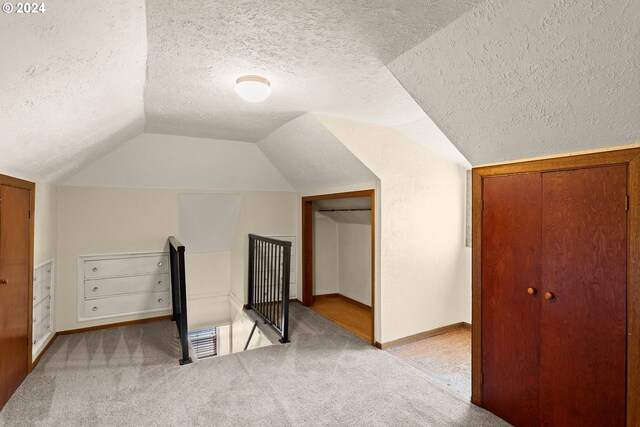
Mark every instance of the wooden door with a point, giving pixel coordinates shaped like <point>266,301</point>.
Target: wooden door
<point>510,297</point>
<point>14,288</point>
<point>583,325</point>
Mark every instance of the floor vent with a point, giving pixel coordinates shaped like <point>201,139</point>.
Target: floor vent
<point>204,342</point>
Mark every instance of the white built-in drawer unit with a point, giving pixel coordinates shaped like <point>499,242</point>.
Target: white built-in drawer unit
<point>123,284</point>
<point>42,329</point>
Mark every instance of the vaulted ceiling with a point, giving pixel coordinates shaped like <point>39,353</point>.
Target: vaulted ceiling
<point>320,56</point>
<point>501,79</point>
<point>518,78</point>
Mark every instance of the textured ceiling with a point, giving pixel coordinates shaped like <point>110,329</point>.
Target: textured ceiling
<point>71,84</point>
<point>518,79</point>
<point>310,157</point>
<point>501,79</point>
<point>320,56</point>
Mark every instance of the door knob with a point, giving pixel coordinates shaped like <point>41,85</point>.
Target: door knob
<point>549,295</point>
<point>532,291</point>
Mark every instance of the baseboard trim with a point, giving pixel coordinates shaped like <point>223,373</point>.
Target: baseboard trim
<point>344,298</point>
<point>423,335</point>
<point>114,325</point>
<point>42,353</point>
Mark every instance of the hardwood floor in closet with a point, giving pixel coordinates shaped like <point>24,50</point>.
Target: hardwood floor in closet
<point>344,313</point>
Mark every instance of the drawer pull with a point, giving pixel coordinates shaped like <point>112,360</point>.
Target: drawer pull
<point>95,289</point>
<point>159,264</point>
<point>34,341</point>
<point>94,308</point>
<point>159,282</point>
<point>159,300</point>
<point>94,269</point>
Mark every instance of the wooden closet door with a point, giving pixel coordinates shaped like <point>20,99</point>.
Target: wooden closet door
<point>14,289</point>
<point>583,346</point>
<point>510,297</point>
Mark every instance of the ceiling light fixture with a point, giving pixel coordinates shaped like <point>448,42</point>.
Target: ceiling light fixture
<point>253,88</point>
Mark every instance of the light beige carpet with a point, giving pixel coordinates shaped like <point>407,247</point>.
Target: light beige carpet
<point>130,376</point>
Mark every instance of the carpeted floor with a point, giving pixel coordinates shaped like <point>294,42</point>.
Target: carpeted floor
<point>130,376</point>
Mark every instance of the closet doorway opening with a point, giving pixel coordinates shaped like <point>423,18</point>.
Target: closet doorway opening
<point>338,259</point>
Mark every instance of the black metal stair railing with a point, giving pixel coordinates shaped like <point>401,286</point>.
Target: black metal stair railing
<point>179,295</point>
<point>269,274</point>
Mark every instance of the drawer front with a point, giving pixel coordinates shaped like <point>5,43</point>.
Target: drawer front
<point>156,264</point>
<point>37,275</point>
<point>41,292</point>
<point>99,288</point>
<point>41,329</point>
<point>42,310</point>
<point>42,274</point>
<point>125,304</point>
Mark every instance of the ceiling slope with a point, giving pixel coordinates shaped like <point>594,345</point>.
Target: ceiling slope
<point>518,79</point>
<point>72,84</point>
<point>167,161</point>
<point>327,56</point>
<point>310,157</point>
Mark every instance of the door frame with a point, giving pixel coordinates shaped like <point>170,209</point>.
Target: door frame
<point>307,246</point>
<point>629,157</point>
<point>31,187</point>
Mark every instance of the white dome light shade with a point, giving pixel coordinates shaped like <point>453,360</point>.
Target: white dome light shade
<point>253,88</point>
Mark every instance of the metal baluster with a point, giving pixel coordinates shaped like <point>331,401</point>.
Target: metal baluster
<point>274,287</point>
<point>259,282</point>
<point>285,294</point>
<point>270,287</point>
<point>261,277</point>
<point>251,271</point>
<point>279,292</point>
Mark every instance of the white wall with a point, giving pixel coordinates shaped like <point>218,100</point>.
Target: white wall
<point>115,220</point>
<point>265,214</point>
<point>325,255</point>
<point>425,275</point>
<point>354,261</point>
<point>46,223</point>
